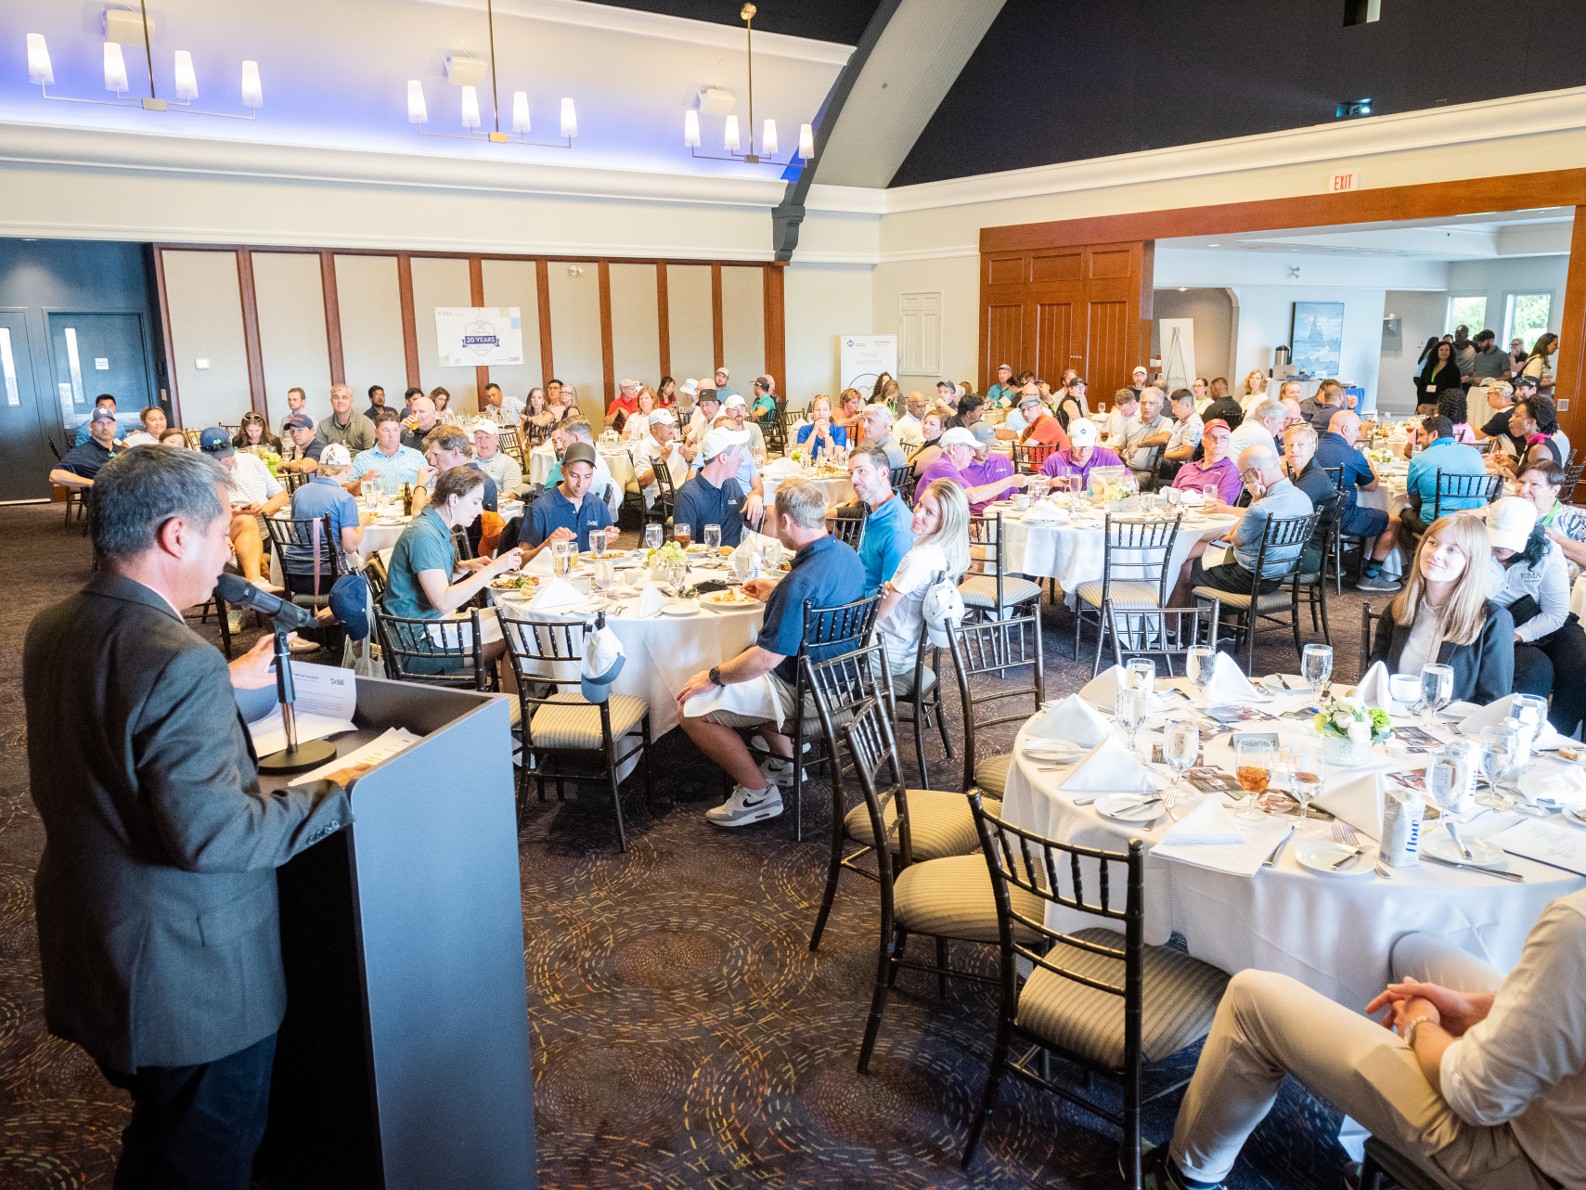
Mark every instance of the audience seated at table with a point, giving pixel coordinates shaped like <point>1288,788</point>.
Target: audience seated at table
<point>1072,403</point>
<point>706,410</point>
<point>875,424</point>
<point>909,428</point>
<point>1147,429</point>
<point>423,416</point>
<point>253,436</point>
<point>1480,1076</point>
<point>576,429</point>
<point>568,505</point>
<point>1002,393</point>
<point>151,424</point>
<point>749,477</point>
<point>660,448</point>
<point>1272,496</point>
<point>1125,406</point>
<point>825,573</point>
<point>1262,426</point>
<point>1081,455</point>
<point>254,493</point>
<point>982,473</point>
<point>1533,424</point>
<point>1439,453</point>
<point>450,446</point>
<point>932,426</point>
<point>81,463</point>
<point>175,437</point>
<point>736,410</point>
<point>1184,438</point>
<point>1541,483</point>
<point>850,403</point>
<point>940,528</point>
<point>1254,394</point>
<point>624,403</point>
<point>105,401</point>
<point>1444,613</point>
<point>388,465</point>
<point>302,447</point>
<point>345,424</point>
<point>1454,405</point>
<point>888,534</point>
<point>636,426</point>
<point>1305,473</point>
<point>1501,396</point>
<point>1041,428</point>
<point>537,412</point>
<point>504,470</point>
<point>1222,406</point>
<point>969,417</point>
<point>322,495</point>
<point>1531,579</point>
<point>712,496</point>
<point>821,435</point>
<point>763,407</point>
<point>1216,473</point>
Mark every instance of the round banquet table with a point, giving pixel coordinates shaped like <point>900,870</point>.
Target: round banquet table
<point>835,485</point>
<point>543,457</point>
<point>1073,552</point>
<point>1333,933</point>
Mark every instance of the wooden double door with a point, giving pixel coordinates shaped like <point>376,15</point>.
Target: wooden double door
<point>1086,307</point>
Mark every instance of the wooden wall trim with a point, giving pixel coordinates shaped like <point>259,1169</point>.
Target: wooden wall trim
<point>418,254</point>
<point>476,298</point>
<point>607,353</point>
<point>542,286</point>
<point>332,299</point>
<point>1433,200</point>
<point>169,344</point>
<point>663,319</point>
<point>250,330</point>
<point>717,339</point>
<point>775,327</point>
<point>410,326</point>
<point>1569,376</point>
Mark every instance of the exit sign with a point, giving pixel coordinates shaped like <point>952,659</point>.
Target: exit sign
<point>1342,183</point>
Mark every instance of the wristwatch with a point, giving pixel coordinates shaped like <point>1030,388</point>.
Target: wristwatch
<point>1410,1026</point>
<point>715,676</point>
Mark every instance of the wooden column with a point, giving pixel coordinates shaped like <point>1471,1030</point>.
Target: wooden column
<point>607,352</point>
<point>332,296</point>
<point>716,335</point>
<point>776,327</point>
<point>410,326</point>
<point>476,298</point>
<point>1569,373</point>
<point>542,284</point>
<point>250,330</point>
<point>663,317</point>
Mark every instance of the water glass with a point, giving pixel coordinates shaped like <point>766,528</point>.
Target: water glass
<point>1528,712</point>
<point>1253,768</point>
<point>1316,667</point>
<point>1129,705</point>
<point>1437,689</point>
<point>1141,672</point>
<point>613,535</point>
<point>563,554</point>
<point>652,536</point>
<point>1500,748</point>
<point>1172,496</point>
<point>1076,485</point>
<point>605,573</point>
<point>1200,662</point>
<point>712,538</point>
<point>1181,744</point>
<point>1304,766</point>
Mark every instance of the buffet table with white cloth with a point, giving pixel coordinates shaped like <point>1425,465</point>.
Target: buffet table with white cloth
<point>1333,932</point>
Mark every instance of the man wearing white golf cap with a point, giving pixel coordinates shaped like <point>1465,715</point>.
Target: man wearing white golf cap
<point>958,452</point>
<point>624,403</point>
<point>661,449</point>
<point>494,461</point>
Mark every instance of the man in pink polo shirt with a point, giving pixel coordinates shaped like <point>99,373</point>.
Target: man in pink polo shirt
<point>1217,470</point>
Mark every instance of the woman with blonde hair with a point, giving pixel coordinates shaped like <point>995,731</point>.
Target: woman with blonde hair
<point>637,427</point>
<point>1443,613</point>
<point>1255,393</point>
<point>940,551</point>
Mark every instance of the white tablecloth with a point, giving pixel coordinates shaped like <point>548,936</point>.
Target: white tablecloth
<point>1074,555</point>
<point>1332,933</point>
<point>837,487</point>
<point>542,458</point>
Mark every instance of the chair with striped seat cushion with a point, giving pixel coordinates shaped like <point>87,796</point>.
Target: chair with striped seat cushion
<point>993,589</point>
<point>1134,574</point>
<point>980,591</point>
<point>1281,537</point>
<point>991,774</point>
<point>996,650</point>
<point>1097,997</point>
<point>565,736</point>
<point>1270,602</point>
<point>952,898</point>
<point>939,824</point>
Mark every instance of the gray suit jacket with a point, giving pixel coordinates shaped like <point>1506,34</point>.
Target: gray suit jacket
<point>159,928</point>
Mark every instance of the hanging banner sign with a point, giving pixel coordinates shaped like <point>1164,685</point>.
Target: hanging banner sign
<point>477,336</point>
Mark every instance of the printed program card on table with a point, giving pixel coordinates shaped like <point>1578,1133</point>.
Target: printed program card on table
<point>1546,842</point>
<point>345,769</point>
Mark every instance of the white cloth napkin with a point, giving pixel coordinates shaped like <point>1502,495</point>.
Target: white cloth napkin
<point>756,697</point>
<point>1357,801</point>
<point>1072,719</point>
<point>557,595</point>
<point>1110,768</point>
<point>1206,823</point>
<point>1374,689</point>
<point>1494,713</point>
<point>1102,691</point>
<point>1045,510</point>
<point>1558,782</point>
<point>1229,683</point>
<point>651,600</point>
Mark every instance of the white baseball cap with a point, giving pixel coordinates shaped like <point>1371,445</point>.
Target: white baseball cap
<point>691,387</point>
<point>335,455</point>
<point>735,401</point>
<point>483,425</point>
<point>662,414</point>
<point>1082,432</point>
<point>1510,521</point>
<point>958,436</point>
<point>720,439</point>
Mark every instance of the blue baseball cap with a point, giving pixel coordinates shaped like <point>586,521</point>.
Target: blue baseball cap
<point>216,443</point>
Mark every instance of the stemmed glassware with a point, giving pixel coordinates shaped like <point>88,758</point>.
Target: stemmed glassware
<point>653,533</point>
<point>1316,667</point>
<point>1500,750</point>
<point>712,538</point>
<point>1253,768</point>
<point>1181,744</point>
<point>1437,689</point>
<point>1200,662</point>
<point>1305,768</point>
<point>1129,705</point>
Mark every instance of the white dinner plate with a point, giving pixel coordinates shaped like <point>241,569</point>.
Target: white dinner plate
<point>678,609</point>
<point>1130,807</point>
<point>1439,844</point>
<point>1285,684</point>
<point>1319,855</point>
<point>1053,751</point>
<point>1575,818</point>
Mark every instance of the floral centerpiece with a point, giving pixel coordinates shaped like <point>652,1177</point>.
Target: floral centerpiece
<point>1112,485</point>
<point>800,455</point>
<point>1381,456</point>
<point>271,460</point>
<point>667,564</point>
<point>1350,729</point>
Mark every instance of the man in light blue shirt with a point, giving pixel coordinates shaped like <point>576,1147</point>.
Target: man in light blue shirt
<point>1439,453</point>
<point>388,463</point>
<point>889,525</point>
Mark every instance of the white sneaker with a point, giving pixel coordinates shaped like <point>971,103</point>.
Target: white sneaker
<point>234,621</point>
<point>746,806</point>
<point>298,645</point>
<point>268,587</point>
<point>778,771</point>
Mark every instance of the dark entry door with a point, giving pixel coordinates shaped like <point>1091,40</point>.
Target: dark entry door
<point>101,353</point>
<point>25,457</point>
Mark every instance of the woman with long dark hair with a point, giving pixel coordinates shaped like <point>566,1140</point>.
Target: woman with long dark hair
<point>1539,364</point>
<point>1439,373</point>
<point>254,437</point>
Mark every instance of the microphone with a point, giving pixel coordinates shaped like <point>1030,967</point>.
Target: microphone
<point>238,590</point>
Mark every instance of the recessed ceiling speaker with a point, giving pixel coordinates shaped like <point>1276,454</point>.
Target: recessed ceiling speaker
<point>715,101</point>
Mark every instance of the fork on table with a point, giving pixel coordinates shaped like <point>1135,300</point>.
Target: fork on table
<point>1345,834</point>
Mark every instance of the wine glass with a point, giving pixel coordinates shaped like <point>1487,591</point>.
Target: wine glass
<point>1253,768</point>
<point>1304,766</point>
<point>1181,743</point>
<point>653,533</point>
<point>1316,667</point>
<point>1499,750</point>
<point>1437,689</point>
<point>1141,672</point>
<point>712,538</point>
<point>1200,662</point>
<point>1129,706</point>
<point>562,555</point>
<point>613,535</point>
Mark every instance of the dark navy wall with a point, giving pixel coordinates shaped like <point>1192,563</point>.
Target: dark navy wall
<point>1065,80</point>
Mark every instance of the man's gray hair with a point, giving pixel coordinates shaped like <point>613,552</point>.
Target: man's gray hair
<point>140,489</point>
<point>342,390</point>
<point>580,429</point>
<point>1271,411</point>
<point>880,411</point>
<point>1260,457</point>
<point>801,502</point>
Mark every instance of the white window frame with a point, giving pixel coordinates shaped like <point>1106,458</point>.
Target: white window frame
<point>1450,322</point>
<point>1508,312</point>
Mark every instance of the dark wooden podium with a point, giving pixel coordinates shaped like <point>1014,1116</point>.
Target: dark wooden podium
<point>403,1062</point>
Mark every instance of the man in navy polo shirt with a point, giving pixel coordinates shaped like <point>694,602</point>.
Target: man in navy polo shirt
<point>568,505</point>
<point>825,573</point>
<point>889,525</point>
<point>302,447</point>
<point>713,496</point>
<point>81,463</point>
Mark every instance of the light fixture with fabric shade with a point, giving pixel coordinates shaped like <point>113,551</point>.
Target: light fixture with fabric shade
<point>691,129</point>
<point>40,72</point>
<point>520,112</point>
<point>806,141</point>
<point>186,78</point>
<point>115,68</point>
<point>470,107</point>
<point>729,136</point>
<point>768,144</point>
<point>714,100</point>
<point>252,89</point>
<point>569,119</point>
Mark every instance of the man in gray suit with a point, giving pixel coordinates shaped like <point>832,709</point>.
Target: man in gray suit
<point>159,929</point>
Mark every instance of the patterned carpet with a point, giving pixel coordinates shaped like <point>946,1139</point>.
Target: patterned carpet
<point>683,1033</point>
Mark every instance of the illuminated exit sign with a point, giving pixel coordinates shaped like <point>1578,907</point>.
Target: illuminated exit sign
<point>1343,183</point>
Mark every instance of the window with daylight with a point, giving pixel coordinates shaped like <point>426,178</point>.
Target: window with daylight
<point>1526,315</point>
<point>1467,310</point>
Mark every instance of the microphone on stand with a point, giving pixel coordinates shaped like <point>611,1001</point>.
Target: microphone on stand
<point>238,590</point>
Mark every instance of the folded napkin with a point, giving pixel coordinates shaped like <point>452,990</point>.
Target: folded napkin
<point>1102,690</point>
<point>1375,688</point>
<point>1563,784</point>
<point>1072,719</point>
<point>756,697</point>
<point>651,600</point>
<point>1229,683</point>
<point>1357,801</point>
<point>1191,498</point>
<point>1490,715</point>
<point>557,595</point>
<point>1110,768</point>
<point>1206,823</point>
<point>1045,510</point>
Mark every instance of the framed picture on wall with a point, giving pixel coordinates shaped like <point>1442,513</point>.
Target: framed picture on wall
<point>1316,336</point>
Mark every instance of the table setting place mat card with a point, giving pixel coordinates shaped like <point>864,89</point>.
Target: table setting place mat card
<point>1546,842</point>
<point>1109,768</point>
<point>1210,779</point>
<point>1072,719</point>
<point>1358,801</point>
<point>1417,739</point>
<point>345,769</point>
<point>1208,837</point>
<point>325,698</point>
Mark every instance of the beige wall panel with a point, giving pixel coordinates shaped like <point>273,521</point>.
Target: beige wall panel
<point>441,282</point>
<point>291,303</point>
<point>204,303</point>
<point>823,302</point>
<point>512,283</point>
<point>575,335</point>
<point>371,331</point>
<point>635,323</point>
<point>743,325</point>
<point>688,312</point>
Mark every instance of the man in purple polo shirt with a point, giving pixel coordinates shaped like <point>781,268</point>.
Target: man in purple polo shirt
<point>982,482</point>
<point>1082,454</point>
<point>1217,470</point>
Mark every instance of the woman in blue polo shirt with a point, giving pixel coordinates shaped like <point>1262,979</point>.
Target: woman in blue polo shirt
<point>419,578</point>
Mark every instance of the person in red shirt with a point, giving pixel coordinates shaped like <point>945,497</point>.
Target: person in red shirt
<point>1040,427</point>
<point>627,400</point>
